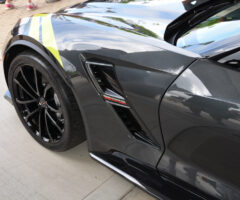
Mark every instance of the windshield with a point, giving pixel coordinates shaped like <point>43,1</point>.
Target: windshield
<point>221,26</point>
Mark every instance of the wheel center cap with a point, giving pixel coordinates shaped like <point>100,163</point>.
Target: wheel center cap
<point>42,103</point>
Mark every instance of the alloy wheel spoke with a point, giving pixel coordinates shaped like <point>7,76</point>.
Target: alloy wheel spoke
<point>46,124</point>
<point>54,110</point>
<point>40,123</point>
<point>31,114</point>
<point>24,89</point>
<point>36,81</point>
<point>27,82</point>
<point>26,101</point>
<point>46,90</point>
<point>53,121</point>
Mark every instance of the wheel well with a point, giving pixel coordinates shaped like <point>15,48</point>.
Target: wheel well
<point>11,54</point>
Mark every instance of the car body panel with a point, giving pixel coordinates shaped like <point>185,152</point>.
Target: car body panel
<point>203,145</point>
<point>88,41</point>
<point>149,18</point>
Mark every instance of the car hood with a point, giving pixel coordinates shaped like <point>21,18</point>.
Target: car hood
<point>147,17</point>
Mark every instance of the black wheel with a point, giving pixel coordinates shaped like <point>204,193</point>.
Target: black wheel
<point>44,103</point>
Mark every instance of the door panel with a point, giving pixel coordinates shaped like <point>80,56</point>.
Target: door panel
<point>200,119</point>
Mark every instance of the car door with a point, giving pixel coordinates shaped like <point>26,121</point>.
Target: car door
<point>200,112</point>
<point>200,119</point>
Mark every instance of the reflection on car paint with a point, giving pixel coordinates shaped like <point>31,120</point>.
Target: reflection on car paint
<point>204,104</point>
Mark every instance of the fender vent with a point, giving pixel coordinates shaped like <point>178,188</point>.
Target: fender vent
<point>131,123</point>
<point>104,79</point>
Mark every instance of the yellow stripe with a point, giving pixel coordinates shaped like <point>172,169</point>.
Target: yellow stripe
<point>48,38</point>
<point>41,14</point>
<point>34,28</point>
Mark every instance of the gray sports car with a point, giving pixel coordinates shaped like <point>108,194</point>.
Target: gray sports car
<point>153,85</point>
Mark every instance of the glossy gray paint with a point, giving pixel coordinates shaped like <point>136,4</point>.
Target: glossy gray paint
<point>141,64</point>
<point>148,18</point>
<point>200,116</point>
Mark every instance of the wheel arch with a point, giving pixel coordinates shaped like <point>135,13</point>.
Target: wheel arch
<point>17,46</point>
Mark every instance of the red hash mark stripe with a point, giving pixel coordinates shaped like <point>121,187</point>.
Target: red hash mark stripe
<point>114,100</point>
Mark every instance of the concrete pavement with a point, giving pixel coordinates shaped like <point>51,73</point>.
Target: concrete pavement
<point>29,171</point>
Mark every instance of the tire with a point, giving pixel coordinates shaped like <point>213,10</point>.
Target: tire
<point>44,103</point>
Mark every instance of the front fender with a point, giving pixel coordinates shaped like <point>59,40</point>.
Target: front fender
<point>20,43</point>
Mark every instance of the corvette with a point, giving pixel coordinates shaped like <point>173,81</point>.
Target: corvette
<point>152,85</point>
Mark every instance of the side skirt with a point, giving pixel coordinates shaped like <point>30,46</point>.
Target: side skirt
<point>124,174</point>
<point>157,184</point>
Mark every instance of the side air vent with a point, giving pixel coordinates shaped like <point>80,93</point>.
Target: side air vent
<point>104,75</point>
<point>131,123</point>
<point>104,79</point>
